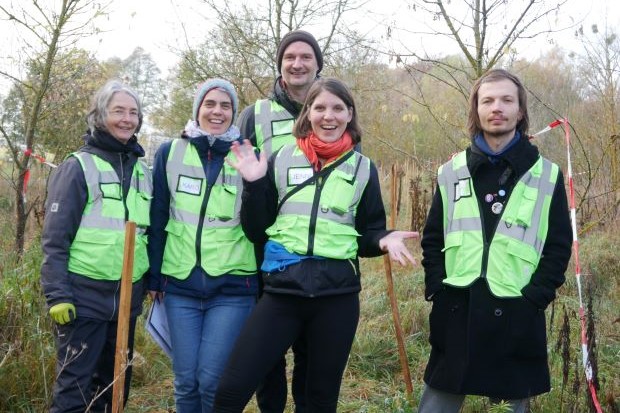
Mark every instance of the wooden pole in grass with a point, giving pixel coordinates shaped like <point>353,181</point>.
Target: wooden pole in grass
<point>404,361</point>
<point>122,330</point>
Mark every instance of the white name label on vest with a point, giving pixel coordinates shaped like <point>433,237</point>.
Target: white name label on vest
<point>463,189</point>
<point>189,185</point>
<point>298,175</point>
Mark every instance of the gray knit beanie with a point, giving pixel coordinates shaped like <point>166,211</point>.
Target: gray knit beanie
<point>299,36</point>
<point>209,84</point>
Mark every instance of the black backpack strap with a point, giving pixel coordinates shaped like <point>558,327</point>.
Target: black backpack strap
<point>313,179</point>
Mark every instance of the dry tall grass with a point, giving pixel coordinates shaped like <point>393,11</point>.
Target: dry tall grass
<point>373,380</point>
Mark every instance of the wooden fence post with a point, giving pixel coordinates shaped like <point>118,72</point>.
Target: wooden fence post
<point>122,331</point>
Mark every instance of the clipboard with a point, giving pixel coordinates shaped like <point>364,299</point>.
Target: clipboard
<point>157,326</point>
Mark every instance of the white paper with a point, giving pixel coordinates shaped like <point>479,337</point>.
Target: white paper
<point>157,326</point>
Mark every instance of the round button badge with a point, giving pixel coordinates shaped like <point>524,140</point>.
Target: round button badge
<point>497,207</point>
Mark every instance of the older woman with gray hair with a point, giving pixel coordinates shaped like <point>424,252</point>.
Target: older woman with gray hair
<point>91,195</point>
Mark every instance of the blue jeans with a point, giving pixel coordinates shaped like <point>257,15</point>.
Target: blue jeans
<point>202,334</point>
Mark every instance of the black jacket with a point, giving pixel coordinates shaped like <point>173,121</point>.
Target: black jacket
<point>482,344</point>
<point>312,278</point>
<point>66,199</point>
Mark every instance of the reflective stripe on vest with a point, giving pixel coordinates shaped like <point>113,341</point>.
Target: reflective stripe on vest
<point>519,238</point>
<point>273,125</point>
<point>320,218</point>
<point>97,249</point>
<point>222,245</point>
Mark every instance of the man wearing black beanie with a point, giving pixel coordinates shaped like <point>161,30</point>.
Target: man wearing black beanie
<point>268,124</point>
<point>299,36</point>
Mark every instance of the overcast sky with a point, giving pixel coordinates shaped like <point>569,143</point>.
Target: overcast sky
<point>163,27</point>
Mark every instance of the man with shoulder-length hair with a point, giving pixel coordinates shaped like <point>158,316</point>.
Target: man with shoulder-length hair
<point>496,244</point>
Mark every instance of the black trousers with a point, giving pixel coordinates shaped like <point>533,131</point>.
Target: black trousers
<point>271,393</point>
<point>85,365</point>
<point>328,326</point>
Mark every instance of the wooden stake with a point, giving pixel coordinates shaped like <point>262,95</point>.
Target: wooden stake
<point>404,362</point>
<point>122,331</point>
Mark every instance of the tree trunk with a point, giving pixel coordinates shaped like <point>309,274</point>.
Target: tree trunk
<point>21,214</point>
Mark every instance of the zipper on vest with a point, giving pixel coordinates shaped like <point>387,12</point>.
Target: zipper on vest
<point>120,157</point>
<point>203,211</point>
<point>485,242</point>
<point>314,212</point>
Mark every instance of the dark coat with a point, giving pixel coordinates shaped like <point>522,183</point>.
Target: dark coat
<point>66,199</point>
<point>482,344</point>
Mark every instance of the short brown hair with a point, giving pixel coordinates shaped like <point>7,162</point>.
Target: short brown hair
<point>495,75</point>
<point>338,88</point>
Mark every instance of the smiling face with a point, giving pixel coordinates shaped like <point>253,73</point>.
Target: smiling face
<point>122,116</point>
<point>216,112</point>
<point>299,66</point>
<point>498,110</point>
<point>329,116</point>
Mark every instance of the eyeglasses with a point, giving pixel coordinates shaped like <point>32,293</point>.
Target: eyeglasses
<point>120,114</point>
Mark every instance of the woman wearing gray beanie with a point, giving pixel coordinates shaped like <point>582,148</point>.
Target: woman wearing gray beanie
<point>202,265</point>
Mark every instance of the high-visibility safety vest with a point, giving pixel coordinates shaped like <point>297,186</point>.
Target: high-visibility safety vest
<point>320,218</point>
<point>97,249</point>
<point>273,125</point>
<point>515,250</point>
<point>204,227</point>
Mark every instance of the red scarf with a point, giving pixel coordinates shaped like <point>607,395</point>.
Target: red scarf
<point>314,148</point>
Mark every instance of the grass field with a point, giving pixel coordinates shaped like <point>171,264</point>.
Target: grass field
<point>373,380</point>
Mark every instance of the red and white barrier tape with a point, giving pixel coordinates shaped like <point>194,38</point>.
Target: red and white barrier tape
<point>584,340</point>
<point>40,159</point>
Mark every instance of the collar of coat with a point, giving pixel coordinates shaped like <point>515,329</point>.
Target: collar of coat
<point>520,157</point>
<point>279,95</point>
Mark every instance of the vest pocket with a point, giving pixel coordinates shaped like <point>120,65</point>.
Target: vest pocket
<point>522,214</point>
<point>282,129</point>
<point>291,232</point>
<point>177,249</point>
<point>141,209</point>
<point>111,190</point>
<point>521,261</point>
<point>338,195</point>
<point>335,240</point>
<point>141,259</point>
<point>97,256</point>
<point>452,246</point>
<point>230,251</point>
<point>222,202</point>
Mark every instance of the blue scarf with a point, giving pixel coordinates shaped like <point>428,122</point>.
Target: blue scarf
<point>494,157</point>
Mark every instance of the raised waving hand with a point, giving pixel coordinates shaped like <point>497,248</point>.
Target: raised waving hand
<point>247,164</point>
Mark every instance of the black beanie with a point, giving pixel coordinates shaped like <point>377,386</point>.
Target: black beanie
<point>299,36</point>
